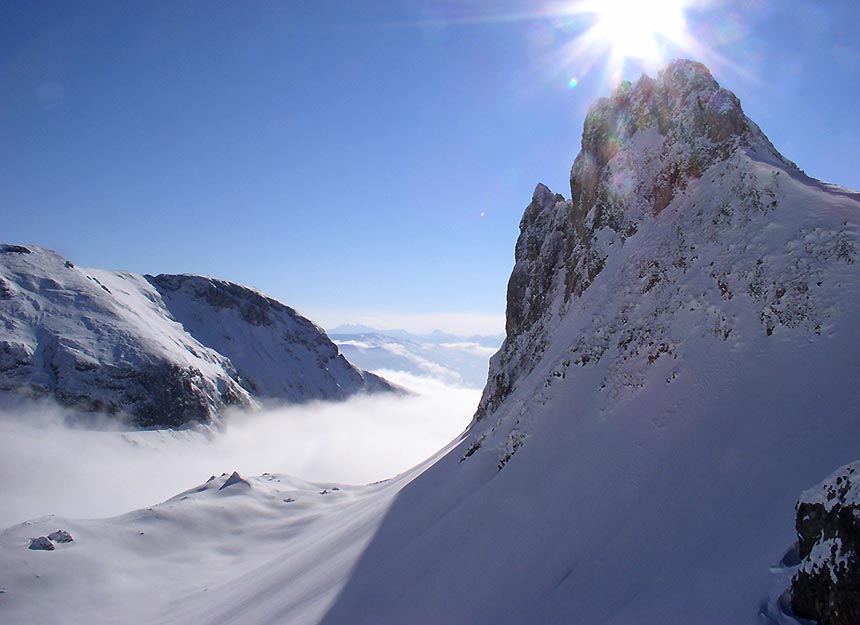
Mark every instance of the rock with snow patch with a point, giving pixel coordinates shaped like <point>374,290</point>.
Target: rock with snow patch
<point>61,536</point>
<point>14,249</point>
<point>826,588</point>
<point>42,543</point>
<point>277,353</point>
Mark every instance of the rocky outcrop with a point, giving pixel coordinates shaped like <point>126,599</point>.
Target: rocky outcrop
<point>253,306</point>
<point>645,147</point>
<point>160,351</point>
<point>46,543</point>
<point>826,588</point>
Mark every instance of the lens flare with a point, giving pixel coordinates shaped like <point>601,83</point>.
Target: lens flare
<point>639,30</point>
<point>622,36</point>
<point>594,44</point>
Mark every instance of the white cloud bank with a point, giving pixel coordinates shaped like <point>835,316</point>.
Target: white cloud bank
<point>476,349</point>
<point>49,468</point>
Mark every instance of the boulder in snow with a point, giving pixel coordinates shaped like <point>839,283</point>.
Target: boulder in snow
<point>826,588</point>
<point>61,536</point>
<point>42,543</point>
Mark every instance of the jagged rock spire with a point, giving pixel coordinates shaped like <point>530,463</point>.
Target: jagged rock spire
<point>642,147</point>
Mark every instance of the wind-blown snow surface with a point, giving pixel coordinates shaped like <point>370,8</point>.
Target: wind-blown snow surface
<point>273,551</point>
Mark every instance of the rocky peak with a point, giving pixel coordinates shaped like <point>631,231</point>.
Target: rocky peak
<point>696,120</point>
<point>678,143</point>
<point>683,99</point>
<point>525,300</point>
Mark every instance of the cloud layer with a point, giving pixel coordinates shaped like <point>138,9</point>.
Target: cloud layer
<point>51,468</point>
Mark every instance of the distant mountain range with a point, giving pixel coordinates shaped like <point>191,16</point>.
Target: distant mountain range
<point>450,358</point>
<point>157,351</point>
<point>435,337</point>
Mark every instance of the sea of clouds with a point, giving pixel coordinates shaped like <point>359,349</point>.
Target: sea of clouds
<point>51,465</point>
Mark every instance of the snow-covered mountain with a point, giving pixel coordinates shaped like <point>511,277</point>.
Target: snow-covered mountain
<point>450,358</point>
<point>161,350</point>
<point>681,362</point>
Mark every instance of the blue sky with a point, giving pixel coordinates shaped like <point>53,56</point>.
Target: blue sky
<point>361,161</point>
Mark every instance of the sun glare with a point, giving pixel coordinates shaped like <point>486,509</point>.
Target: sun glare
<point>615,34</point>
<point>639,30</point>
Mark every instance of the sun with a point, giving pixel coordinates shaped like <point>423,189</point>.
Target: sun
<point>637,29</point>
<point>616,34</point>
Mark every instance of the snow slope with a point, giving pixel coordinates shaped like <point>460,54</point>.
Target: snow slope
<point>268,549</point>
<point>163,351</point>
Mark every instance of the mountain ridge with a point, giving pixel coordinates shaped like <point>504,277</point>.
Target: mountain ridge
<point>162,350</point>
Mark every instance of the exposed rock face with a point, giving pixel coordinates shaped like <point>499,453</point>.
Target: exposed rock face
<point>116,343</point>
<point>826,588</point>
<point>219,294</point>
<point>648,145</point>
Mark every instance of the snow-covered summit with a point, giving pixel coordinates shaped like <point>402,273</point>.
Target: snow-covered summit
<point>699,122</point>
<point>163,351</point>
<point>678,144</point>
<point>203,556</point>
